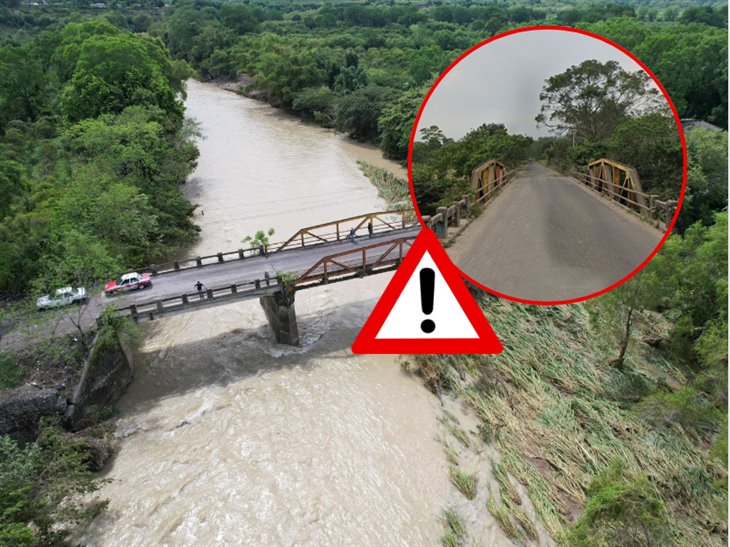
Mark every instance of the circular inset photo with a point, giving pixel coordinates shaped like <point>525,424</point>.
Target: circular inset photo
<point>550,162</point>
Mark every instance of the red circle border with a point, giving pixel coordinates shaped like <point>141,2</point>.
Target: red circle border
<point>680,130</point>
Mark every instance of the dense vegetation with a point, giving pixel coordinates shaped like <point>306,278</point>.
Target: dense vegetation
<point>601,110</point>
<point>595,109</point>
<point>364,70</point>
<point>313,59</point>
<point>38,481</point>
<point>45,482</point>
<point>93,148</point>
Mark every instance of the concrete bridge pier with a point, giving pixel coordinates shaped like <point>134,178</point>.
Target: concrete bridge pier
<point>282,317</point>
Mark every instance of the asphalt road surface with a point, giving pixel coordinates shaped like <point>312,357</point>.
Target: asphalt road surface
<point>547,238</point>
<point>250,269</point>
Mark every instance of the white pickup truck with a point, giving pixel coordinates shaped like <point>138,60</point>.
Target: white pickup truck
<point>63,297</point>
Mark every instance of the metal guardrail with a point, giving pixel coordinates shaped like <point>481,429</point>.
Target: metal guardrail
<point>653,209</point>
<point>188,301</point>
<point>311,235</point>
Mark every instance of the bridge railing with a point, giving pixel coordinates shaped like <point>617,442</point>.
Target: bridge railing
<point>360,261</point>
<point>200,261</point>
<point>648,206</point>
<point>499,184</point>
<point>149,310</point>
<point>312,235</point>
<point>338,230</point>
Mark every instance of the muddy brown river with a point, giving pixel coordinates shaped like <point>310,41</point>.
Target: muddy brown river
<point>229,438</point>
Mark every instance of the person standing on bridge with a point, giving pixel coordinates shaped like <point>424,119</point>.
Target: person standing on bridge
<point>370,229</point>
<point>352,234</point>
<point>200,288</point>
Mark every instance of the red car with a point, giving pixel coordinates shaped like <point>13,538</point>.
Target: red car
<point>128,282</point>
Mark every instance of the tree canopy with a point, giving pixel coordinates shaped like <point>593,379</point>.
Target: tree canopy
<point>592,98</point>
<point>92,153</point>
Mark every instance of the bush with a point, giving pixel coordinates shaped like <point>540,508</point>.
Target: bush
<point>622,510</point>
<point>358,112</point>
<point>18,468</point>
<point>686,408</point>
<point>315,103</point>
<point>11,373</point>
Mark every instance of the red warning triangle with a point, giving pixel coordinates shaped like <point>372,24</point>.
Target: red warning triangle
<point>446,320</point>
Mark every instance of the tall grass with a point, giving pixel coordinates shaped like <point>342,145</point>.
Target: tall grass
<point>392,189</point>
<point>559,414</point>
<point>502,516</point>
<point>465,482</point>
<point>455,534</point>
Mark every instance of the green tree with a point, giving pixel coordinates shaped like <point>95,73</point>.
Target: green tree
<point>141,22</point>
<point>706,15</point>
<point>183,26</point>
<point>284,72</point>
<point>691,62</point>
<point>634,295</point>
<point>259,239</point>
<point>707,176</point>
<point>358,112</point>
<point>691,282</point>
<point>396,121</point>
<point>592,98</point>
<point>112,73</point>
<point>315,103</point>
<point>22,86</point>
<point>12,184</point>
<point>240,18</point>
<point>650,143</point>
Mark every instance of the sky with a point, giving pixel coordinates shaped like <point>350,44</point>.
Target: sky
<point>501,81</point>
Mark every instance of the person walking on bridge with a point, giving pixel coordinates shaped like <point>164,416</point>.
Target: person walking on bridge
<point>352,234</point>
<point>200,288</point>
<point>370,229</point>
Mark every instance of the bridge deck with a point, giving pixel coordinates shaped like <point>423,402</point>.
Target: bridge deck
<point>546,237</point>
<point>169,287</point>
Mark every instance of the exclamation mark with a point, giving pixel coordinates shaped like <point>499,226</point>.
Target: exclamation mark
<point>427,277</point>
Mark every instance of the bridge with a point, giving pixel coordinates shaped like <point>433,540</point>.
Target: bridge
<point>545,236</point>
<point>313,256</point>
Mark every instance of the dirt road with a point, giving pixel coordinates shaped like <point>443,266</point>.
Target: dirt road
<point>547,238</point>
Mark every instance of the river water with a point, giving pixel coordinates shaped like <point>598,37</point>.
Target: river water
<point>227,437</point>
